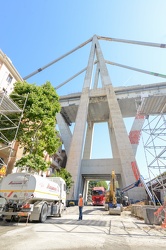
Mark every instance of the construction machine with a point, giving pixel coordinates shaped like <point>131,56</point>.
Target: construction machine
<point>115,197</point>
<point>113,200</point>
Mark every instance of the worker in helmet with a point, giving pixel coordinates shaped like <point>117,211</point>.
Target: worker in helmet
<point>80,206</point>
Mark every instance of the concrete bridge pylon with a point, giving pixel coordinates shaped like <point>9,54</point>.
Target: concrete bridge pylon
<point>123,160</point>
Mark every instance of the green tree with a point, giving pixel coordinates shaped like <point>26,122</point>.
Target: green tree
<point>66,176</point>
<point>33,162</point>
<point>102,184</point>
<point>37,132</point>
<point>93,184</point>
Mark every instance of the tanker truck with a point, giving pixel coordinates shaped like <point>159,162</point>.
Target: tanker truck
<point>32,196</point>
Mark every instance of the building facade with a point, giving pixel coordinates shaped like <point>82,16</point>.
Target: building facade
<point>8,74</point>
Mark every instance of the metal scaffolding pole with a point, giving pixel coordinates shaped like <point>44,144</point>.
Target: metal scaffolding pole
<point>8,122</point>
<point>154,142</point>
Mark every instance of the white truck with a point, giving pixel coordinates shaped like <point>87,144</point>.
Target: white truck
<point>32,196</point>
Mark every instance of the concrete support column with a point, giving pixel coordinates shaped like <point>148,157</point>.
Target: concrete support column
<point>85,192</point>
<point>115,152</point>
<point>128,164</point>
<point>75,152</point>
<point>96,77</point>
<point>88,141</point>
<point>65,132</point>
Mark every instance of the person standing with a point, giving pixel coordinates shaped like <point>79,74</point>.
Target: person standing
<point>80,206</point>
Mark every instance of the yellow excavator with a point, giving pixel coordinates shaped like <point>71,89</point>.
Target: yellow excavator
<point>113,199</point>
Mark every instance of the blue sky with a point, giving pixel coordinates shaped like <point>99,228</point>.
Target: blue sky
<point>35,32</point>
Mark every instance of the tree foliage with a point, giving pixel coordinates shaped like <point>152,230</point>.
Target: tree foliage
<point>37,129</point>
<point>37,133</point>
<point>93,184</point>
<point>66,176</point>
<point>35,163</point>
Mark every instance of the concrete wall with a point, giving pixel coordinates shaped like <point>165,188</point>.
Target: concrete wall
<point>146,212</point>
<point>100,166</point>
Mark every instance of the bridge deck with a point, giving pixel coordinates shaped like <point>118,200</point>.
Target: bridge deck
<point>152,98</point>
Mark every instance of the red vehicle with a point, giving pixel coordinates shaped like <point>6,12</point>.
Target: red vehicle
<point>98,196</point>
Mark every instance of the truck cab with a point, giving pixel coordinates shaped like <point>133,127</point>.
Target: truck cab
<point>98,196</point>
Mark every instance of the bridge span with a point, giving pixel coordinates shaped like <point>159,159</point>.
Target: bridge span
<point>129,99</point>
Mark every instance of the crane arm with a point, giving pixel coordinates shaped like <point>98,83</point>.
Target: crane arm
<point>135,184</point>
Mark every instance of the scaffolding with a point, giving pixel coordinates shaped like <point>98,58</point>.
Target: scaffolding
<point>154,142</point>
<point>10,122</point>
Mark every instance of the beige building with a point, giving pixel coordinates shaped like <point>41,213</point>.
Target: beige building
<point>8,74</point>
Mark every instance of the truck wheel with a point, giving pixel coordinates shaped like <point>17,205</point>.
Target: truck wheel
<point>43,213</point>
<point>15,218</point>
<point>8,220</point>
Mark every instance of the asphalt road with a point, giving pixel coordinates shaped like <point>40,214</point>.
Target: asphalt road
<point>97,230</point>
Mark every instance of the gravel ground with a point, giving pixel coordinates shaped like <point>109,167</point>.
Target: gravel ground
<point>97,230</point>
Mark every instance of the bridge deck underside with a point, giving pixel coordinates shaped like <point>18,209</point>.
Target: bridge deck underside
<point>153,105</point>
<point>99,110</point>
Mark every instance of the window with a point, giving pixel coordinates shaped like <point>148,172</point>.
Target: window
<point>9,78</point>
<point>97,192</point>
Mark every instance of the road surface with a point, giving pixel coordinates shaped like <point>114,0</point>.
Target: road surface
<point>97,230</point>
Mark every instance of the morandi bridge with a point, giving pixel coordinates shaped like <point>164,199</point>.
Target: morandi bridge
<point>136,101</point>
<point>106,104</point>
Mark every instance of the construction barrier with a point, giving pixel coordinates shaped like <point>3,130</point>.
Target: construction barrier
<point>149,213</point>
